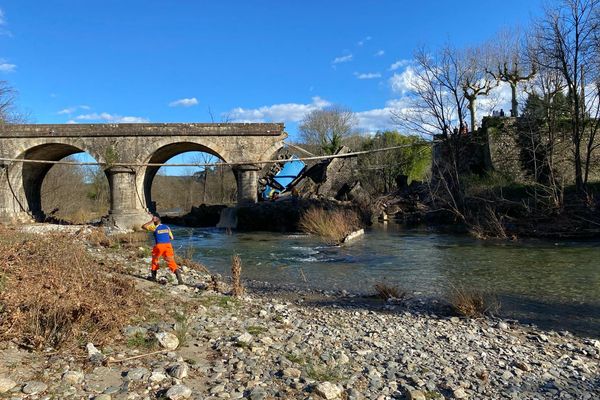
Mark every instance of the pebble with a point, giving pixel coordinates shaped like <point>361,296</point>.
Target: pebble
<point>328,390</point>
<point>292,373</point>
<point>6,384</point>
<point>244,338</point>
<point>34,387</point>
<point>416,395</point>
<point>178,392</point>
<point>73,377</point>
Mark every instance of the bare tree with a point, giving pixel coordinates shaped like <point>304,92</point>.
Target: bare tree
<point>7,102</point>
<point>328,128</point>
<point>436,97</point>
<point>513,62</point>
<point>567,42</point>
<point>476,82</point>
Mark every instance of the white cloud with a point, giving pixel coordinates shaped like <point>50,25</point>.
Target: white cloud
<point>7,67</point>
<point>111,118</point>
<point>403,82</point>
<point>2,18</point>
<point>399,64</point>
<point>184,102</point>
<point>363,41</point>
<point>379,53</point>
<point>287,112</point>
<point>498,98</point>
<point>368,75</point>
<point>342,59</point>
<point>71,110</point>
<point>380,119</point>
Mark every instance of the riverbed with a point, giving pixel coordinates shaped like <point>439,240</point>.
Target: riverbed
<point>555,285</point>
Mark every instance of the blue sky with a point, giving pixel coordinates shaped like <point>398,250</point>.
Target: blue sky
<point>173,61</point>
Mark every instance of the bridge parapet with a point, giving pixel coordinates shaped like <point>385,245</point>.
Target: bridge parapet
<point>125,130</point>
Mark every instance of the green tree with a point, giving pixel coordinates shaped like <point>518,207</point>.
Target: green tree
<point>380,169</point>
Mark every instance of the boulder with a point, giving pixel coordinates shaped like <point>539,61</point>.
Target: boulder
<point>6,384</point>
<point>178,392</point>
<point>167,340</point>
<point>328,390</point>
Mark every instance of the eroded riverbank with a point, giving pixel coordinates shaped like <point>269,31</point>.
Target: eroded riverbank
<point>270,345</point>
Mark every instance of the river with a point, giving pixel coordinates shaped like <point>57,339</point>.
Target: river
<point>555,285</point>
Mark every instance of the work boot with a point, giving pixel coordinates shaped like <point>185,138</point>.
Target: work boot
<point>152,276</point>
<point>178,275</point>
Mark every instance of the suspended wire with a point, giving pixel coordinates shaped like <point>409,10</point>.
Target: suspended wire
<point>215,164</point>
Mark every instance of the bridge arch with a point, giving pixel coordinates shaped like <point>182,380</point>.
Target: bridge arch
<point>163,154</point>
<point>26,179</point>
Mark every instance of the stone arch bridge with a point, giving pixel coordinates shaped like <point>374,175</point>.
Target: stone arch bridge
<point>110,144</point>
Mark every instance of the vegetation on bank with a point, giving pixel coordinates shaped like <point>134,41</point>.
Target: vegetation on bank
<point>53,294</point>
<point>330,225</point>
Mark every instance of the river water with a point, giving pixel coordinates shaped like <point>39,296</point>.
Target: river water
<point>555,285</point>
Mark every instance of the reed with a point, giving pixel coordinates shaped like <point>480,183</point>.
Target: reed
<point>473,303</point>
<point>236,275</point>
<point>330,225</point>
<point>386,292</point>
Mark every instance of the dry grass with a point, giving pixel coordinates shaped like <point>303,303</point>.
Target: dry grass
<point>472,303</point>
<point>191,264</point>
<point>99,237</point>
<point>236,275</point>
<point>331,225</point>
<point>386,292</point>
<point>55,294</point>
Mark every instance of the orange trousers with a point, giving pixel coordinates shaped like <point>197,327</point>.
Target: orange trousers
<point>164,250</point>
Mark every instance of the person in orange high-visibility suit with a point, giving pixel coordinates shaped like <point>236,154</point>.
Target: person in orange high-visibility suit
<point>162,248</point>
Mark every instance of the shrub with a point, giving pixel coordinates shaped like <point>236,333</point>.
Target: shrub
<point>55,294</point>
<point>472,303</point>
<point>385,291</point>
<point>331,225</point>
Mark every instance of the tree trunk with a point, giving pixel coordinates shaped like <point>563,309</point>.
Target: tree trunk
<point>514,112</point>
<point>472,111</point>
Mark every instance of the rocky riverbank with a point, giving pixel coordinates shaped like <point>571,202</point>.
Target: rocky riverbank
<point>197,342</point>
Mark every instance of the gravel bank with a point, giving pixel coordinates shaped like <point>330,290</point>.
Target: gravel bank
<point>278,344</point>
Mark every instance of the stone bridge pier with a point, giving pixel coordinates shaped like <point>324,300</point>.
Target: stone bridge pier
<point>125,150</point>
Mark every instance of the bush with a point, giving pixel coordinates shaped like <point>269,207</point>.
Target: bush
<point>331,225</point>
<point>386,292</point>
<point>56,294</point>
<point>472,303</point>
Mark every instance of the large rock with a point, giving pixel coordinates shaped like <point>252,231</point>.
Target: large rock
<point>244,339</point>
<point>179,392</point>
<point>167,340</point>
<point>178,371</point>
<point>6,384</point>
<point>328,390</point>
<point>34,387</point>
<point>73,377</point>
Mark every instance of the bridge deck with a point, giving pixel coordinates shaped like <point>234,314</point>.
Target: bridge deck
<point>140,130</point>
